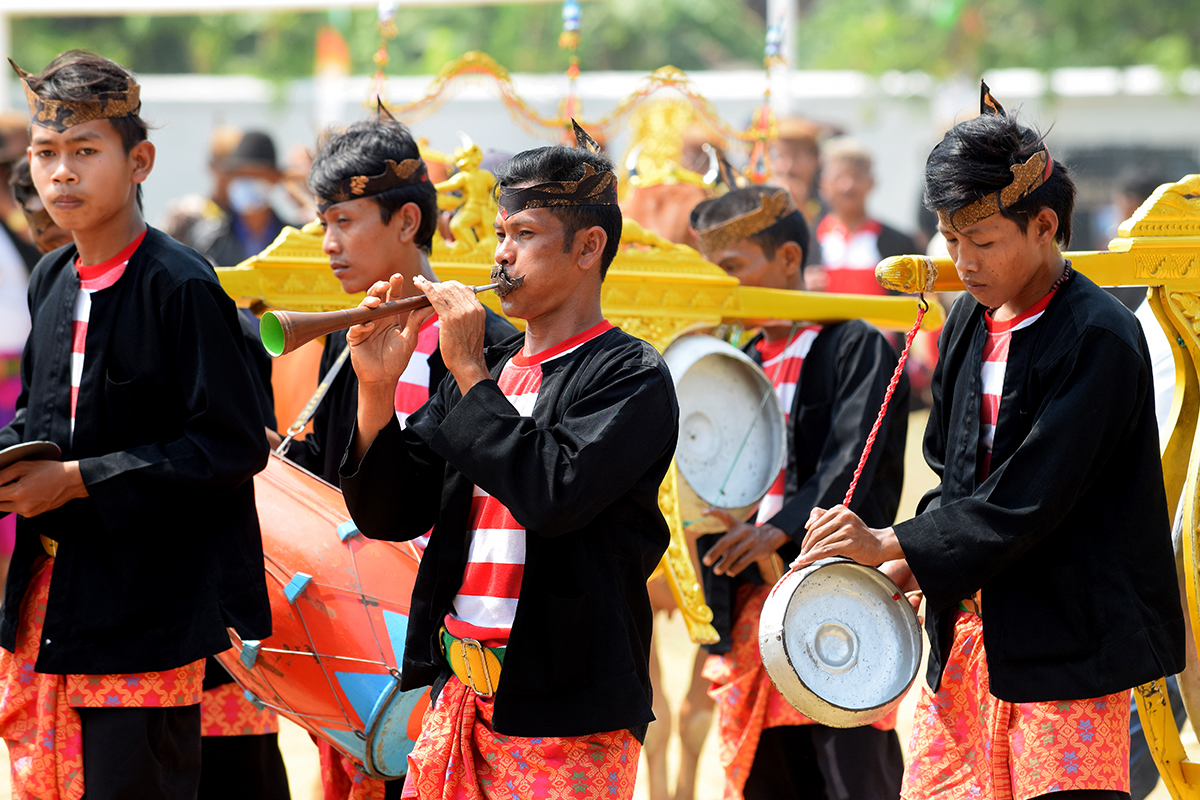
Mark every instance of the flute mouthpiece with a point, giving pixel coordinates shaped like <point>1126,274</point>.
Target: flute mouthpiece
<point>906,274</point>
<point>506,282</point>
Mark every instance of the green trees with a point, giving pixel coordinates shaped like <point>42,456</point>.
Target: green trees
<point>938,36</point>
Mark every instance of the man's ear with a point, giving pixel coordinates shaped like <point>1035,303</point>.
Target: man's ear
<point>593,241</point>
<point>142,155</point>
<point>406,220</point>
<point>792,255</point>
<point>1045,226</point>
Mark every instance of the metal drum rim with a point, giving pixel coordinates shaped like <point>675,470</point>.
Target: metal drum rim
<point>697,346</point>
<point>847,717</point>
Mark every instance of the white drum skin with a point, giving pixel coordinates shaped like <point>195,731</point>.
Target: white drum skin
<point>840,642</point>
<point>732,434</point>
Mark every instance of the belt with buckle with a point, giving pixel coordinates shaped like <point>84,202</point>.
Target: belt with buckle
<point>973,604</point>
<point>473,663</point>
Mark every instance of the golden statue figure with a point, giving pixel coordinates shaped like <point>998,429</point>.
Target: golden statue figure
<point>475,206</point>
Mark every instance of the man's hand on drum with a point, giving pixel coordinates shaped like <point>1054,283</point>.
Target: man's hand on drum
<point>380,351</point>
<point>902,575</point>
<point>461,322</point>
<point>30,488</point>
<point>838,531</point>
<point>742,545</point>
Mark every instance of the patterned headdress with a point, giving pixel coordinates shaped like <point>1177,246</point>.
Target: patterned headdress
<point>409,172</point>
<point>593,189</point>
<point>771,209</point>
<point>1026,178</point>
<point>59,115</point>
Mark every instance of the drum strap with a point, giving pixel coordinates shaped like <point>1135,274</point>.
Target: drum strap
<point>887,398</point>
<point>311,407</point>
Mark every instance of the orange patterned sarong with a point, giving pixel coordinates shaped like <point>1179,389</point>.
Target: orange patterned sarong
<point>38,720</point>
<point>459,757</point>
<point>747,702</point>
<point>341,777</point>
<point>42,731</point>
<point>225,711</point>
<point>966,743</point>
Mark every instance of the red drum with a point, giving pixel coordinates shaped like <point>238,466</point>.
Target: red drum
<point>339,607</point>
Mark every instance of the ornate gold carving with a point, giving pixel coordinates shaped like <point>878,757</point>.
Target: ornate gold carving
<point>677,563</point>
<point>1172,210</point>
<point>1187,305</point>
<point>1159,267</point>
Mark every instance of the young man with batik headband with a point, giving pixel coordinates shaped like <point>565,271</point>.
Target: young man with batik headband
<point>1045,551</point>
<point>137,550</point>
<point>378,209</point>
<point>831,380</point>
<point>537,463</point>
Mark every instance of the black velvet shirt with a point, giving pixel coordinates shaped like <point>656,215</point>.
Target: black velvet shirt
<point>582,476</point>
<point>1068,537</point>
<point>165,552</point>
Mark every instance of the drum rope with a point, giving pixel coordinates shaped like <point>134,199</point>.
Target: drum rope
<point>922,307</point>
<point>758,413</point>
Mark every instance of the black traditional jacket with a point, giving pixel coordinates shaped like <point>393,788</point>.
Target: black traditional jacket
<point>321,451</point>
<point>842,383</point>
<point>165,551</point>
<point>1068,537</point>
<point>582,476</point>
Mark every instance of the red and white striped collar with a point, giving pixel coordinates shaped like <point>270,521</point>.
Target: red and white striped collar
<point>563,347</point>
<point>100,276</point>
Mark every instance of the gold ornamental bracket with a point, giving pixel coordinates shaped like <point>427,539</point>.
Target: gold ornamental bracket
<point>1158,247</point>
<point>655,290</point>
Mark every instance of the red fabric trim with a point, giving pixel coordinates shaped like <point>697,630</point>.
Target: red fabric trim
<point>522,360</point>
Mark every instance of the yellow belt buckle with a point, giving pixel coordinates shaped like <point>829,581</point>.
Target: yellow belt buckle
<point>474,664</point>
<point>49,545</point>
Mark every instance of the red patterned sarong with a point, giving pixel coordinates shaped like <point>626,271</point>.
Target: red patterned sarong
<point>747,702</point>
<point>42,731</point>
<point>459,757</point>
<point>966,743</point>
<point>341,779</point>
<point>38,720</point>
<point>225,711</point>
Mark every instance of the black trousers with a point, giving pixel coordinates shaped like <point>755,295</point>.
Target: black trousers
<point>141,753</point>
<point>813,761</point>
<point>243,768</point>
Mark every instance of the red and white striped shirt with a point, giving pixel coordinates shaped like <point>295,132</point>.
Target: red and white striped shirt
<point>782,360</point>
<point>850,256</point>
<point>991,374</point>
<point>412,391</point>
<point>92,279</point>
<point>486,603</point>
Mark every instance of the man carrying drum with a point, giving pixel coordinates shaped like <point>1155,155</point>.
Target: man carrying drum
<point>830,380</point>
<point>537,463</point>
<point>1045,551</point>
<point>378,211</point>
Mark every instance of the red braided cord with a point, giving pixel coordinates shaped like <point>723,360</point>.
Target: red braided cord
<point>862,462</point>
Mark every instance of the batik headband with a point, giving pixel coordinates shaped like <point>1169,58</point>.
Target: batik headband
<point>772,208</point>
<point>1026,178</point>
<point>409,172</point>
<point>593,189</point>
<point>59,115</point>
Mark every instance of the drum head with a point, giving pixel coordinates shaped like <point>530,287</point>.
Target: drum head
<point>29,451</point>
<point>731,428</point>
<point>841,642</point>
